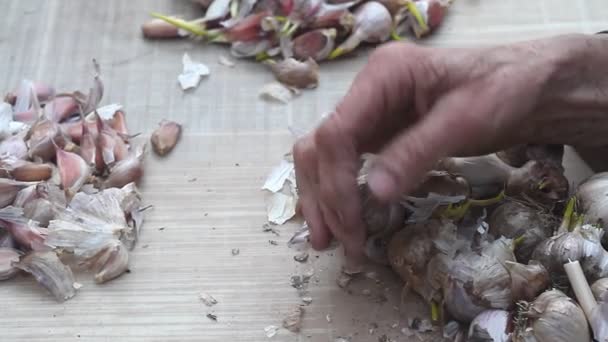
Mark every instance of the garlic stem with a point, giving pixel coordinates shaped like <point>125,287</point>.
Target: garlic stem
<point>565,226</point>
<point>581,287</point>
<point>435,311</point>
<point>184,25</point>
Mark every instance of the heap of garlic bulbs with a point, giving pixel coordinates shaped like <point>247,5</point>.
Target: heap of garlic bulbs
<point>484,241</point>
<point>301,33</point>
<point>68,199</point>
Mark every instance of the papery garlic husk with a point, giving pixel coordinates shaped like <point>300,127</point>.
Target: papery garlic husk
<point>599,321</point>
<point>552,317</point>
<point>14,146</point>
<point>74,171</point>
<point>44,136</point>
<point>302,75</point>
<point>373,24</point>
<point>528,225</point>
<point>119,123</point>
<point>478,281</point>
<point>582,245</point>
<point>527,281</point>
<point>487,175</point>
<point>40,210</point>
<point>317,44</point>
<point>159,29</point>
<point>111,261</point>
<point>128,170</point>
<point>165,137</point>
<point>112,147</point>
<point>26,232</point>
<point>518,156</point>
<point>89,151</point>
<point>410,250</point>
<point>49,272</point>
<point>6,240</point>
<point>9,190</point>
<point>491,325</point>
<point>60,108</point>
<point>600,288</point>
<point>592,197</point>
<point>8,256</point>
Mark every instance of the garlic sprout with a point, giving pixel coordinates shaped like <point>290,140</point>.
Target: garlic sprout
<point>552,317</point>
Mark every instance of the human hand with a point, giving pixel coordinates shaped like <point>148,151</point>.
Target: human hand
<point>414,105</point>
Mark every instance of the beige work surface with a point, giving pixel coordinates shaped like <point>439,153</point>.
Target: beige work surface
<point>206,195</point>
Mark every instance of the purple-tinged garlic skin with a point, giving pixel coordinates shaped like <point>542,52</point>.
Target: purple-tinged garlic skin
<point>9,190</point>
<point>128,170</point>
<point>43,137</point>
<point>74,171</point>
<point>165,137</point>
<point>8,256</point>
<point>317,44</point>
<point>527,281</point>
<point>110,262</point>
<point>49,272</point>
<point>14,146</point>
<point>293,73</point>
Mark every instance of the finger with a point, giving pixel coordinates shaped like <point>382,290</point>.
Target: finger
<point>307,180</point>
<point>453,125</point>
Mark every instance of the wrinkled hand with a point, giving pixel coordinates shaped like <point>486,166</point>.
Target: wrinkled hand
<point>412,106</point>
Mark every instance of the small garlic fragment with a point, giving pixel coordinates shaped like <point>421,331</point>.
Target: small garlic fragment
<point>293,73</point>
<point>271,331</point>
<point>48,270</point>
<point>207,299</point>
<point>277,92</point>
<point>165,137</point>
<point>293,320</point>
<point>8,256</point>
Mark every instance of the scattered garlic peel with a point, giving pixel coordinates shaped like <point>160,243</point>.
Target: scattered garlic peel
<point>8,256</point>
<point>50,272</point>
<point>225,61</point>
<point>279,175</point>
<point>192,73</point>
<point>277,92</point>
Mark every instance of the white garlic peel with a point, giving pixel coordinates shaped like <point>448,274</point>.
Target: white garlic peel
<point>491,325</point>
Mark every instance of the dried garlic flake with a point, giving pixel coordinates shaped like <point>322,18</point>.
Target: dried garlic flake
<point>207,299</point>
<point>192,73</point>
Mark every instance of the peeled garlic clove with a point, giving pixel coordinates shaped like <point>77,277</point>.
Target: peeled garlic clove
<point>297,74</point>
<point>128,170</point>
<point>14,146</point>
<point>553,317</point>
<point>373,24</point>
<point>8,256</point>
<point>60,108</point>
<point>48,270</point>
<point>530,226</point>
<point>600,288</point>
<point>32,172</point>
<point>110,262</point>
<point>165,137</point>
<point>9,190</point>
<point>491,325</point>
<point>39,210</point>
<point>527,281</point>
<point>159,29</point>
<point>43,137</point>
<point>317,44</point>
<point>73,170</point>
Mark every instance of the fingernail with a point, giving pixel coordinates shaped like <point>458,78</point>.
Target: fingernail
<point>382,183</point>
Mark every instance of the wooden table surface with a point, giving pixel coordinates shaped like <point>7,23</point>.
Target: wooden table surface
<point>206,194</point>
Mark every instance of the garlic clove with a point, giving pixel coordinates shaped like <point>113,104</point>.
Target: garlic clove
<point>32,172</point>
<point>317,44</point>
<point>43,137</point>
<point>50,272</point>
<point>302,75</point>
<point>110,262</point>
<point>491,325</point>
<point>249,49</point>
<point>128,170</point>
<point>9,190</point>
<point>119,123</point>
<point>14,146</point>
<point>600,289</point>
<point>159,29</point>
<point>342,21</point>
<point>248,29</point>
<point>26,233</point>
<point>25,195</point>
<point>8,256</point>
<point>165,137</point>
<point>73,170</point>
<point>60,108</point>
<point>554,317</point>
<point>40,210</point>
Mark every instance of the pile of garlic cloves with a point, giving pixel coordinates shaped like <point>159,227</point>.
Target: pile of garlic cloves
<point>484,241</point>
<point>68,196</point>
<point>293,36</point>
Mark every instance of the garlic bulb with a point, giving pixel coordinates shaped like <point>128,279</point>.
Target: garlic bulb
<point>48,270</point>
<point>552,317</point>
<point>582,244</point>
<point>592,196</point>
<point>8,256</point>
<point>518,156</point>
<point>528,225</point>
<point>410,250</point>
<point>600,289</point>
<point>491,325</point>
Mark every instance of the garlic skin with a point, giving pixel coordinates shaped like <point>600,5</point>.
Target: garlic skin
<point>373,24</point>
<point>600,289</point>
<point>9,190</point>
<point>317,44</point>
<point>553,317</point>
<point>43,137</point>
<point>110,262</point>
<point>74,171</point>
<point>301,75</point>
<point>60,108</point>
<point>592,196</point>
<point>25,232</point>
<point>14,146</point>
<point>128,170</point>
<point>40,210</point>
<point>515,220</point>
<point>527,281</point>
<point>491,325</point>
<point>49,272</point>
<point>165,137</point>
<point>8,256</point>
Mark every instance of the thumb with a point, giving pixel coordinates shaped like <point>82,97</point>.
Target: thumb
<point>452,125</point>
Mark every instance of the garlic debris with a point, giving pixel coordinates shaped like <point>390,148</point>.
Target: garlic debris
<point>165,137</point>
<point>491,325</point>
<point>292,73</point>
<point>8,256</point>
<point>48,270</point>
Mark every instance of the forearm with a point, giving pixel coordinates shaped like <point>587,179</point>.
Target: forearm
<point>573,108</point>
